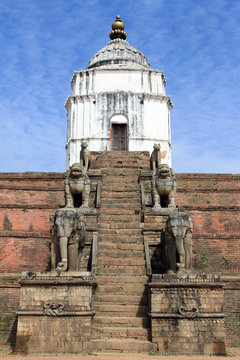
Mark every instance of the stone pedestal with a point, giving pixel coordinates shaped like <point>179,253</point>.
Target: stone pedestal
<point>55,312</point>
<point>187,314</point>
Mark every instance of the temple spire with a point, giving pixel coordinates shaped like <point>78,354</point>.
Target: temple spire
<point>118,29</point>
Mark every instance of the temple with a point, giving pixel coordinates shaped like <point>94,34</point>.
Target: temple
<point>119,253</point>
<point>118,102</point>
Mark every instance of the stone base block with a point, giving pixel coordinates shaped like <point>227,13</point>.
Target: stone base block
<point>43,334</point>
<point>187,314</point>
<point>189,337</point>
<point>55,313</point>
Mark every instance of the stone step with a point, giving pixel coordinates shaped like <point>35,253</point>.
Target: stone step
<point>118,310</point>
<point>119,177</point>
<point>118,195</point>
<point>118,210</point>
<point>123,203</point>
<point>120,270</point>
<point>135,218</point>
<point>122,280</point>
<point>123,289</point>
<point>137,154</point>
<point>118,162</point>
<point>118,332</point>
<point>115,238</point>
<point>122,163</point>
<point>123,246</point>
<point>121,299</point>
<point>120,159</point>
<point>111,252</point>
<point>127,156</point>
<point>123,345</point>
<point>121,321</point>
<point>117,181</point>
<point>122,232</point>
<point>119,215</point>
<point>119,156</point>
<point>119,225</point>
<point>120,174</point>
<point>118,187</point>
<point>125,206</point>
<point>120,262</point>
<point>113,171</point>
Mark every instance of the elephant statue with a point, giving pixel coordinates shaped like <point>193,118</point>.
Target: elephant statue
<point>70,230</point>
<point>178,242</point>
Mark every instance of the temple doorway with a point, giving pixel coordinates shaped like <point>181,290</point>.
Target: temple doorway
<point>119,137</point>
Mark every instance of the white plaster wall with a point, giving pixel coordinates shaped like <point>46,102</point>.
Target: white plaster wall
<point>89,82</point>
<point>155,120</point>
<point>137,95</point>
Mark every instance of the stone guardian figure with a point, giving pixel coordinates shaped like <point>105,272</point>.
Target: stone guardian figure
<point>77,187</point>
<point>164,186</point>
<point>70,229</point>
<point>85,157</point>
<point>155,159</point>
<point>178,242</point>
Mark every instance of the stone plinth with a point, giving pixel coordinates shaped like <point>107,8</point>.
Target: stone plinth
<point>187,314</point>
<point>55,312</point>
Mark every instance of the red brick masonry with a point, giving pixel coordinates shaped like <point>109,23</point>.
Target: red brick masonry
<point>28,199</point>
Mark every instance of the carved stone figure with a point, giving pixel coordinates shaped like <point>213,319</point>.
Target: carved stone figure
<point>77,187</point>
<point>52,308</point>
<point>70,229</point>
<point>85,157</point>
<point>188,311</point>
<point>155,159</point>
<point>164,186</point>
<point>178,242</point>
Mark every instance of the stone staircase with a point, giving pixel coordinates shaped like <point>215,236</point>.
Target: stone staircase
<point>121,323</point>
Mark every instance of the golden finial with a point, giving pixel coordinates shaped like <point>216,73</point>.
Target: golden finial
<point>118,29</point>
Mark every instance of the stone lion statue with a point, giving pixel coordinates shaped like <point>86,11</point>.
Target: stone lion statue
<point>85,157</point>
<point>77,187</point>
<point>164,186</point>
<point>155,159</point>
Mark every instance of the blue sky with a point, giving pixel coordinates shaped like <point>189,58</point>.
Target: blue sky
<point>195,42</point>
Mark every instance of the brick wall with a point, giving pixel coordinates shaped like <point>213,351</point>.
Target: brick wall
<point>28,199</point>
<point>26,202</point>
<point>232,309</point>
<point>213,201</point>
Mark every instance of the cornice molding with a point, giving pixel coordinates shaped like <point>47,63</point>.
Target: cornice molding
<point>162,98</point>
<point>74,98</point>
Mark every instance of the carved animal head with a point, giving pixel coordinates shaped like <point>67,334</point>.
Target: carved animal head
<point>157,147</point>
<point>76,171</point>
<point>84,145</point>
<point>164,171</point>
<point>178,225</point>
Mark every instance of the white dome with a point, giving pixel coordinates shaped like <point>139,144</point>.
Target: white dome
<point>118,52</point>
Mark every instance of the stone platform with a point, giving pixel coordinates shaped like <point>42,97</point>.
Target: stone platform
<point>187,314</point>
<point>55,312</point>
